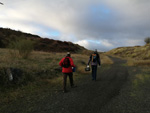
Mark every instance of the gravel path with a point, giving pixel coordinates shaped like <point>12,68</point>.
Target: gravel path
<point>88,97</point>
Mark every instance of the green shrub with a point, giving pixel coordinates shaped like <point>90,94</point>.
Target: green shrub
<point>25,47</point>
<point>21,48</point>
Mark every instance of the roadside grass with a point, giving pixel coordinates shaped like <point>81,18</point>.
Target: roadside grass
<point>42,73</point>
<point>105,59</point>
<point>135,62</point>
<point>140,82</point>
<point>140,90</point>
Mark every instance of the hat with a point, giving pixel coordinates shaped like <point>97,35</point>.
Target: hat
<point>68,53</point>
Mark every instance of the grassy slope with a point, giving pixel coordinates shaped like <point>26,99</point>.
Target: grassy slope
<point>138,55</point>
<point>138,52</point>
<point>44,73</point>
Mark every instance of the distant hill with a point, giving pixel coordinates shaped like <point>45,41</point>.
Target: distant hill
<point>137,52</point>
<point>41,44</point>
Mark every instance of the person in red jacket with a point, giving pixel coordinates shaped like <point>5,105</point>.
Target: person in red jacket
<point>67,63</point>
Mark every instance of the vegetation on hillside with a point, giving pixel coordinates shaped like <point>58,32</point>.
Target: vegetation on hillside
<point>138,55</point>
<point>137,52</point>
<point>8,36</point>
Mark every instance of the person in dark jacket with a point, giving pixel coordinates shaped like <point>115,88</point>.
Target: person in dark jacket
<point>95,60</point>
<point>67,71</point>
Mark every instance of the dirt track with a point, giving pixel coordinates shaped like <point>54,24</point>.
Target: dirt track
<point>89,96</point>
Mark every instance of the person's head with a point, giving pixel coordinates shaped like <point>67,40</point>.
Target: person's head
<point>68,54</point>
<point>95,51</point>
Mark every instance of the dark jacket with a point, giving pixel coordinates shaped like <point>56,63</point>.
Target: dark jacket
<point>97,62</point>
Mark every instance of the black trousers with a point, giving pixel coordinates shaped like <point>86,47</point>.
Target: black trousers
<point>94,72</point>
<point>65,79</point>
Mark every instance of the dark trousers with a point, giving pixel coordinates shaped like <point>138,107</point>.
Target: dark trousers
<point>94,72</point>
<point>65,79</point>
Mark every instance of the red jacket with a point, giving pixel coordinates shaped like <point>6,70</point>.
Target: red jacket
<point>69,69</point>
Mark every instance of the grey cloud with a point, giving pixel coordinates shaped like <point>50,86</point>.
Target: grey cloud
<point>119,22</point>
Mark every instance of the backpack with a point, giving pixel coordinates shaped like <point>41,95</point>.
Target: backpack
<point>94,57</point>
<point>66,63</point>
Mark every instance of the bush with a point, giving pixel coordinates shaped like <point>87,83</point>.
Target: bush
<point>25,47</point>
<point>22,47</point>
<point>147,40</point>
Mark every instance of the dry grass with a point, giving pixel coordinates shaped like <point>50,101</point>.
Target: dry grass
<point>44,65</point>
<point>44,69</point>
<point>136,56</point>
<point>43,61</point>
<point>135,62</point>
<point>137,52</point>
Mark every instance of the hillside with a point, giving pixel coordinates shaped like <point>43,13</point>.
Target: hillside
<point>136,52</point>
<point>41,44</point>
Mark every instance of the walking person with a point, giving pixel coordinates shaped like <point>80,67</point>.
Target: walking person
<point>95,60</point>
<point>67,63</point>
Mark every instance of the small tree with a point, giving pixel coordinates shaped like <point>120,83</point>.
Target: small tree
<point>25,47</point>
<point>147,40</point>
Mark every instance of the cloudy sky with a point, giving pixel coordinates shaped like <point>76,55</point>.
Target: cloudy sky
<point>94,24</point>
